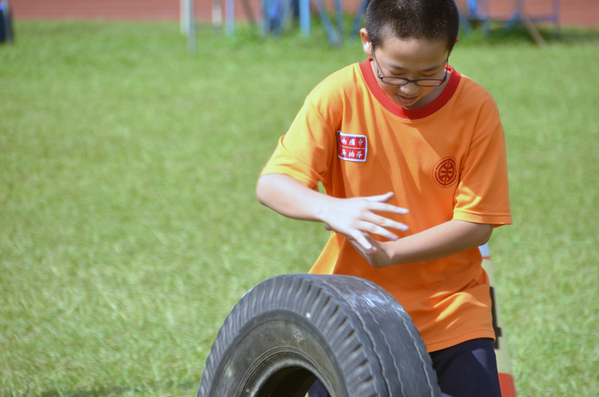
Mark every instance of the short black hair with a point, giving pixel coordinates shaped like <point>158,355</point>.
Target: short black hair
<point>431,19</point>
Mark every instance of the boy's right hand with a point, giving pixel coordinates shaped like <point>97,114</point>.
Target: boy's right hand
<point>357,217</point>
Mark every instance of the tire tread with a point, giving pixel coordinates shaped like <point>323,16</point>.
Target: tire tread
<point>354,316</point>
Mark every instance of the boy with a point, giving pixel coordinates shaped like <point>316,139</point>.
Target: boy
<point>412,158</point>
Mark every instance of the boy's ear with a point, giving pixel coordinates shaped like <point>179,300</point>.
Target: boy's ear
<point>456,40</point>
<point>366,44</point>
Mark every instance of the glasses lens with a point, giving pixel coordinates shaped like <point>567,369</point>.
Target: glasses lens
<point>394,80</point>
<point>429,83</point>
<point>421,83</point>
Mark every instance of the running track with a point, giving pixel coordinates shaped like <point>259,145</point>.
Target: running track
<point>583,13</point>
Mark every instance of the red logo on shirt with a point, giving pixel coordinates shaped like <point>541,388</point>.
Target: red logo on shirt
<point>351,147</point>
<point>445,172</point>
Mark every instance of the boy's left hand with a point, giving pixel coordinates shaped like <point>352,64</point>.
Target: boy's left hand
<point>377,256</point>
<point>441,241</point>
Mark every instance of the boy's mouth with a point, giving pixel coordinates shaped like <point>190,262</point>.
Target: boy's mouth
<point>406,99</point>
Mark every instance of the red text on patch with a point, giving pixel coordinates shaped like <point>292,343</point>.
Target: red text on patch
<point>352,147</point>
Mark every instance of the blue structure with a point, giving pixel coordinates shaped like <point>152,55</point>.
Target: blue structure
<point>518,15</point>
<point>6,33</point>
<point>277,12</point>
<point>477,11</point>
<point>230,16</point>
<point>358,18</point>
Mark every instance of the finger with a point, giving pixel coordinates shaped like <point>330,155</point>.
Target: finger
<point>380,231</point>
<point>366,253</point>
<point>361,240</point>
<point>392,209</point>
<point>388,223</point>
<point>381,198</point>
<point>379,203</point>
<point>373,229</point>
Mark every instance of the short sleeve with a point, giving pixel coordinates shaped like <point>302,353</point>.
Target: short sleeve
<point>482,195</point>
<point>306,151</point>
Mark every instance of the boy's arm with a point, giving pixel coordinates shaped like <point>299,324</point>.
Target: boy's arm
<point>353,217</point>
<point>444,240</point>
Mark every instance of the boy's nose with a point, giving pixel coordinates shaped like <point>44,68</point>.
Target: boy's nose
<point>409,89</point>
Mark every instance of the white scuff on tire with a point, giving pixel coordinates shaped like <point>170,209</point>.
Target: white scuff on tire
<point>290,330</point>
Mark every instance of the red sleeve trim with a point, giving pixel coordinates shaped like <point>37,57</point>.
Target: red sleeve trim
<point>425,111</point>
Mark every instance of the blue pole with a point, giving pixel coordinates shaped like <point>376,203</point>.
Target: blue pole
<point>355,28</point>
<point>515,17</point>
<point>304,10</point>
<point>282,15</point>
<point>326,22</point>
<point>472,8</point>
<point>191,28</point>
<point>464,24</point>
<point>230,18</point>
<point>265,18</point>
<point>339,17</point>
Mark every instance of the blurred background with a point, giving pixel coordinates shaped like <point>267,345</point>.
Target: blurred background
<point>128,222</point>
<point>583,13</point>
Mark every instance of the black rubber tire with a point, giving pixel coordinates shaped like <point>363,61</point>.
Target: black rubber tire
<point>292,329</point>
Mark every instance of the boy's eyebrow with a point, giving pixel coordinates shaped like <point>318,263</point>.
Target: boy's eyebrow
<point>396,67</point>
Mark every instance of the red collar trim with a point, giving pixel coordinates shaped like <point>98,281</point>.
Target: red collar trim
<point>425,111</point>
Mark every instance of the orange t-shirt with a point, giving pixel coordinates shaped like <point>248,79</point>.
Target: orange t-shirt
<point>443,161</point>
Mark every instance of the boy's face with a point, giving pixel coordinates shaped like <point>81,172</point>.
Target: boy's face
<point>413,58</point>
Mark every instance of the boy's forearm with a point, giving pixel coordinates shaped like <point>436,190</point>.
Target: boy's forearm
<point>355,218</point>
<point>290,198</point>
<point>438,242</point>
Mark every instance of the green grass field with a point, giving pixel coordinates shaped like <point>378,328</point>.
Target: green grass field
<point>129,226</point>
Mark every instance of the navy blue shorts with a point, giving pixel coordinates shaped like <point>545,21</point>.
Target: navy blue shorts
<point>468,369</point>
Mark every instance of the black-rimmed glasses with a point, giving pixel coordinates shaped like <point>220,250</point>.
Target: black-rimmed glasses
<point>392,80</point>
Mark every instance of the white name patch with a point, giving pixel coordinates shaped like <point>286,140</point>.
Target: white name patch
<point>352,147</point>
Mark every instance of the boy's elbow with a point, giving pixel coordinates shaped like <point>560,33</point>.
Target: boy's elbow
<point>262,189</point>
<point>486,230</point>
